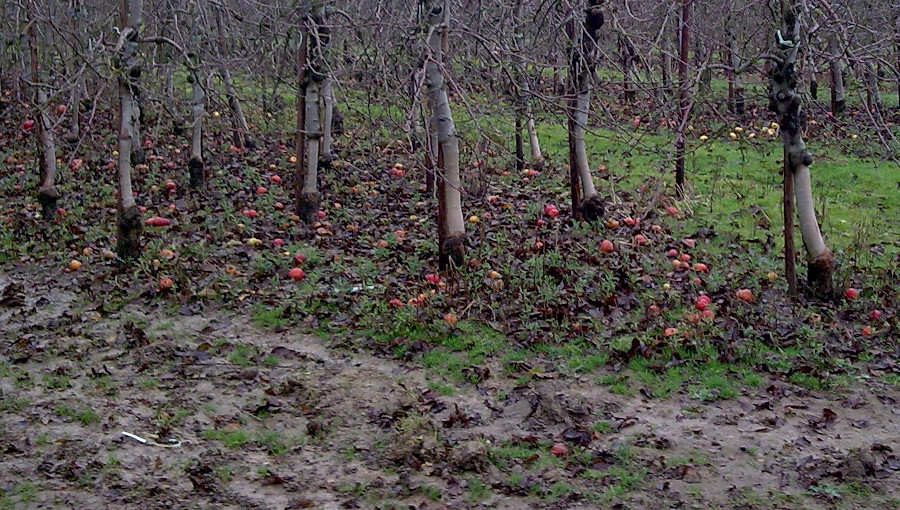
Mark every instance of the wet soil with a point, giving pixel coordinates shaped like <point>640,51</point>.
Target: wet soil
<point>239,417</point>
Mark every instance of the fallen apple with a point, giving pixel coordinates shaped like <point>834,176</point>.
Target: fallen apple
<point>28,125</point>
<point>745,295</point>
<point>74,265</point>
<point>559,449</point>
<point>450,319</point>
<point>157,221</point>
<point>165,283</point>
<point>296,274</point>
<point>607,246</point>
<point>851,293</point>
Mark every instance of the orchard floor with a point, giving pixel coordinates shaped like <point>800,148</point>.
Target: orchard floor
<point>272,419</point>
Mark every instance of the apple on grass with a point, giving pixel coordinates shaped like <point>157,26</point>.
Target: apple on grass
<point>296,274</point>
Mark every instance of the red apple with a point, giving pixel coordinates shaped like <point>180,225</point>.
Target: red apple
<point>670,332</point>
<point>157,221</point>
<point>296,274</point>
<point>250,213</point>
<point>607,246</point>
<point>395,303</point>
<point>278,241</point>
<point>559,449</point>
<point>867,331</point>
<point>320,214</point>
<point>299,259</point>
<point>432,278</point>
<point>276,179</point>
<point>875,315</point>
<point>165,283</point>
<point>61,109</point>
<point>700,267</point>
<point>702,303</point>
<point>671,211</point>
<point>28,125</point>
<point>551,210</point>
<point>261,190</point>
<point>851,293</point>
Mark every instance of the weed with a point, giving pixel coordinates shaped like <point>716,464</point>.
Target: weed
<point>86,416</point>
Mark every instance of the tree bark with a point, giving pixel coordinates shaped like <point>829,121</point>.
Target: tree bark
<point>242,136</point>
<point>524,113</point>
<point>873,94</point>
<point>786,104</point>
<point>838,101</point>
<point>735,80</point>
<point>47,194</point>
<point>314,88</point>
<point>684,106</point>
<point>128,216</point>
<point>584,55</point>
<point>196,171</point>
<point>451,228</point>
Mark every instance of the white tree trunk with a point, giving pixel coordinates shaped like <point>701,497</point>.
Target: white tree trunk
<point>47,192</point>
<point>786,103</point>
<point>583,56</point>
<point>452,227</point>
<point>128,214</point>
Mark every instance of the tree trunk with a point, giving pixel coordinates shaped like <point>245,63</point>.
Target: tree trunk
<point>196,170</point>
<point>451,228</point>
<point>583,59</point>
<point>47,194</point>
<point>838,102</point>
<point>313,88</point>
<point>735,81</point>
<point>524,112</point>
<point>627,56</point>
<point>242,136</point>
<point>666,64</point>
<point>128,216</point>
<point>873,94</point>
<point>684,106</point>
<point>326,156</point>
<point>786,103</point>
<point>300,131</point>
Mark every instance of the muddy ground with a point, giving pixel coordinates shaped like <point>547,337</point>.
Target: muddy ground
<point>241,417</point>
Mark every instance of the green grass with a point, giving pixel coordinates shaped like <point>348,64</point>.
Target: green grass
<point>85,415</point>
<point>273,441</point>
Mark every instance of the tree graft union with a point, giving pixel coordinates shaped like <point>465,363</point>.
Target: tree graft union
<point>786,104</point>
